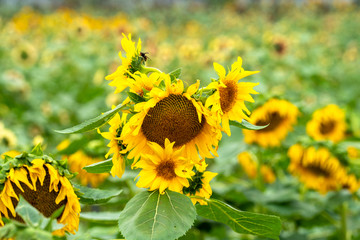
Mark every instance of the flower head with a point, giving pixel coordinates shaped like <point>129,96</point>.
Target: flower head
<point>228,100</point>
<point>281,115</point>
<point>327,123</point>
<point>164,169</point>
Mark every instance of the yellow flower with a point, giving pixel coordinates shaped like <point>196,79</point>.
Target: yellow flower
<point>11,153</point>
<point>174,115</point>
<point>250,166</point>
<point>120,78</point>
<point>63,145</point>
<point>327,123</point>
<point>45,189</point>
<point>7,137</point>
<point>24,54</point>
<point>117,147</point>
<point>280,114</point>
<point>79,160</point>
<point>228,101</point>
<point>317,169</point>
<point>353,152</point>
<point>165,168</point>
<point>350,182</point>
<point>200,186</point>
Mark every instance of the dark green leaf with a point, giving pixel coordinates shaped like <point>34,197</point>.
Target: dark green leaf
<point>107,217</point>
<point>240,221</point>
<point>92,123</point>
<point>151,215</point>
<point>135,98</point>
<point>246,125</point>
<point>100,167</point>
<point>176,73</point>
<point>95,196</point>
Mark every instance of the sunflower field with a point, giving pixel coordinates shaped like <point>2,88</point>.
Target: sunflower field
<point>180,120</point>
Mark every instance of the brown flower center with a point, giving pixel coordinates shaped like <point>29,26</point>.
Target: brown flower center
<point>327,127</point>
<point>174,117</point>
<point>166,170</point>
<point>274,120</point>
<point>317,170</point>
<point>228,95</point>
<point>41,199</point>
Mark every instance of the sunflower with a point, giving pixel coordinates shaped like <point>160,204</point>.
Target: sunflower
<point>316,168</point>
<point>199,185</point>
<point>131,63</point>
<point>327,123</point>
<point>350,182</point>
<point>7,137</point>
<point>250,166</point>
<point>175,115</point>
<point>165,168</point>
<point>11,153</point>
<point>25,54</point>
<point>228,99</point>
<point>117,147</point>
<point>353,152</point>
<point>280,114</point>
<point>44,188</point>
<point>77,161</point>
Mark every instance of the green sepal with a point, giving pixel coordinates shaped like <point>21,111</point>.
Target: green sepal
<point>175,74</point>
<point>242,222</point>
<point>37,150</point>
<point>151,215</point>
<point>100,167</point>
<point>95,196</point>
<point>135,98</point>
<point>246,125</point>
<point>93,123</point>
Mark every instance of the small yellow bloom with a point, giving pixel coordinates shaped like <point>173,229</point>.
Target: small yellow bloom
<point>353,152</point>
<point>228,100</point>
<point>280,114</point>
<point>327,123</point>
<point>165,169</point>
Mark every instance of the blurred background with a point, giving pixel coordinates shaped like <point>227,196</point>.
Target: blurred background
<point>54,56</point>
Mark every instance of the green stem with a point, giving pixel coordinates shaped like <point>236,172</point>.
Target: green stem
<point>146,70</point>
<point>343,224</point>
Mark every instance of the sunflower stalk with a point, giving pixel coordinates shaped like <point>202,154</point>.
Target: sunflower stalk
<point>344,233</point>
<point>147,70</point>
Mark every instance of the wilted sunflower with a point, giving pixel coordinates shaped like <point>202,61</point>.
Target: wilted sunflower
<point>327,123</point>
<point>40,183</point>
<point>77,161</point>
<point>130,63</point>
<point>117,147</point>
<point>174,115</point>
<point>250,166</point>
<point>165,168</point>
<point>228,100</point>
<point>316,168</point>
<point>280,114</point>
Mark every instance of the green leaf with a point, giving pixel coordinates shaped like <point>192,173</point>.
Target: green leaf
<point>34,234</point>
<point>28,213</point>
<point>103,217</point>
<point>135,98</point>
<point>100,167</point>
<point>95,196</point>
<point>92,123</point>
<point>176,73</point>
<point>8,231</point>
<point>37,150</point>
<point>246,125</point>
<point>242,222</point>
<point>151,215</point>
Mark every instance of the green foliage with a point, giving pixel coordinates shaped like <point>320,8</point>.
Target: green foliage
<point>175,74</point>
<point>246,125</point>
<point>240,221</point>
<point>151,215</point>
<point>135,97</point>
<point>100,167</point>
<point>95,196</point>
<point>101,217</point>
<point>93,123</point>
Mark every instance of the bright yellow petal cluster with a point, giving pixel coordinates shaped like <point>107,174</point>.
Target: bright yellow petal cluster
<point>120,78</point>
<point>316,168</point>
<point>205,191</point>
<point>11,153</point>
<point>77,161</point>
<point>280,114</point>
<point>27,179</point>
<point>164,169</point>
<point>327,123</point>
<point>172,113</point>
<point>228,100</point>
<point>116,146</point>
